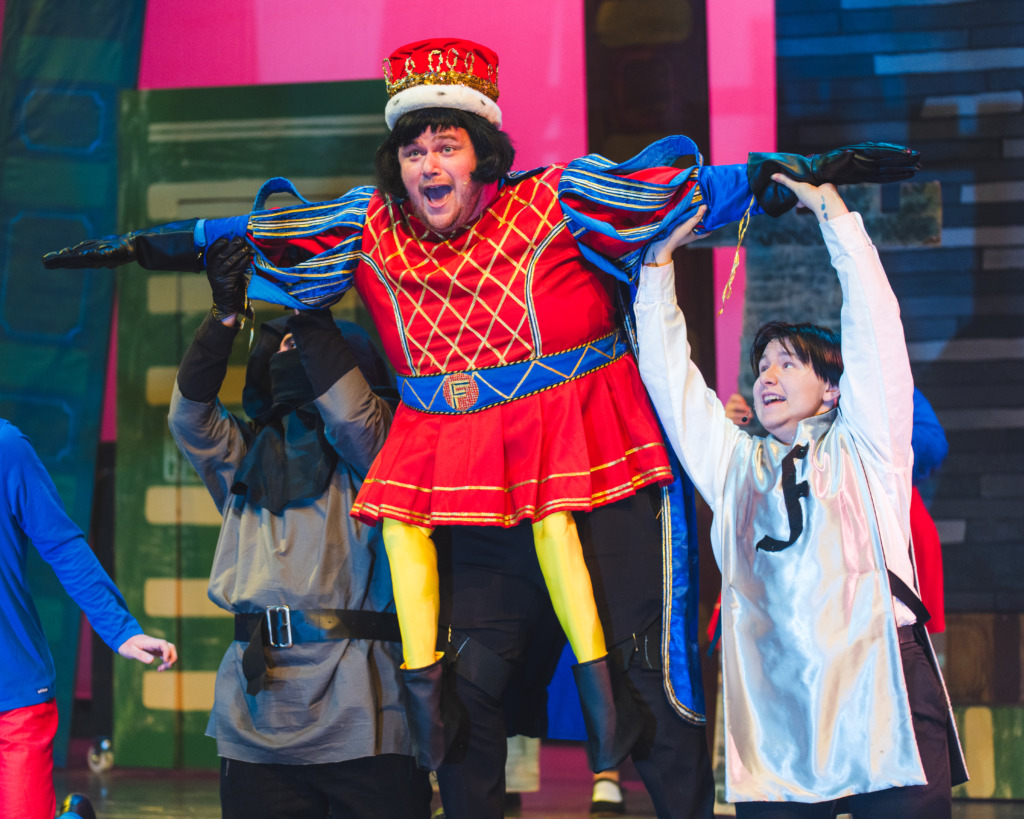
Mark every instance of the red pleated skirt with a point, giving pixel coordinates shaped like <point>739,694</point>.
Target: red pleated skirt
<point>585,443</point>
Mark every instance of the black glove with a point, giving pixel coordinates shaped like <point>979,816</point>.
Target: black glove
<point>228,267</point>
<point>325,354</point>
<point>866,162</point>
<point>165,247</point>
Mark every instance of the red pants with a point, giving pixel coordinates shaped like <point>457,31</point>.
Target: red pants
<point>26,761</point>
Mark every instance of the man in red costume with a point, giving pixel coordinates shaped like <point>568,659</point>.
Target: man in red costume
<point>521,405</point>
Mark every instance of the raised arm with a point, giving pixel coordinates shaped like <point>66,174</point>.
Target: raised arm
<point>876,388</point>
<point>695,421</point>
<point>614,210</point>
<point>303,255</point>
<point>213,440</point>
<point>356,419</point>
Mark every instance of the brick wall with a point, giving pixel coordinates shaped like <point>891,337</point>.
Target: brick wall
<point>945,78</point>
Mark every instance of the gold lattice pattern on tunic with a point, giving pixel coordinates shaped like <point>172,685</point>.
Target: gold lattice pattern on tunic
<point>432,291</point>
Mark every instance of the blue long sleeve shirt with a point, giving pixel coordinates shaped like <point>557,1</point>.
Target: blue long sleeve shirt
<point>32,515</point>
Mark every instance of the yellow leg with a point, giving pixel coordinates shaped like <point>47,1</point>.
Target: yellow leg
<point>413,559</point>
<point>568,580</point>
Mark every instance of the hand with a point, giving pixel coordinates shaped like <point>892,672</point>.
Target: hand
<point>738,410</point>
<point>660,252</point>
<point>824,199</point>
<point>228,268</point>
<point>144,648</point>
<point>164,247</point>
<point>106,251</point>
<point>866,162</point>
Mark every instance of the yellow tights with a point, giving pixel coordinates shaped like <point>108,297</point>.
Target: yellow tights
<point>413,559</point>
<point>560,555</point>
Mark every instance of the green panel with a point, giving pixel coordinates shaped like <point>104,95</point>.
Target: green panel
<point>43,181</point>
<point>94,60</point>
<point>187,153</point>
<point>993,741</point>
<point>61,70</point>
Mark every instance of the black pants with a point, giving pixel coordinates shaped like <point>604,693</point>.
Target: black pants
<point>498,598</point>
<point>389,786</point>
<point>930,801</point>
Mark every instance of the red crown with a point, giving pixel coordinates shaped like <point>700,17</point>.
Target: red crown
<point>442,73</point>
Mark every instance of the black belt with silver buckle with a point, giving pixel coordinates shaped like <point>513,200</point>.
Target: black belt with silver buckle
<point>283,627</point>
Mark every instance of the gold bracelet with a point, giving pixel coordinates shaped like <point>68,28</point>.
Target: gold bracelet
<point>658,264</point>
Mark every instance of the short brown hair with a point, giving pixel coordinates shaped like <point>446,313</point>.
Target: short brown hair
<point>811,343</point>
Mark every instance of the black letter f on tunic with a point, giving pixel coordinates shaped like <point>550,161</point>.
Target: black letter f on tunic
<point>792,492</point>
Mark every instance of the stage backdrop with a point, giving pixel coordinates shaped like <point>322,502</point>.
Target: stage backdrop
<point>195,43</point>
<point>189,153</point>
<point>61,71</point>
<point>193,147</point>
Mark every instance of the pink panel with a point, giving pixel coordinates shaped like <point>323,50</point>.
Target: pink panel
<point>195,43</point>
<point>741,88</point>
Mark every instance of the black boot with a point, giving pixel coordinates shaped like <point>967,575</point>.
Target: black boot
<point>866,162</point>
<point>421,697</point>
<point>164,247</point>
<point>610,713</point>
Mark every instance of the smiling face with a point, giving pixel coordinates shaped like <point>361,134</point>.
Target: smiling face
<point>788,390</point>
<point>437,172</point>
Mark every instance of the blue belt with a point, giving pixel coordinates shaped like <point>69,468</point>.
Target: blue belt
<point>474,390</point>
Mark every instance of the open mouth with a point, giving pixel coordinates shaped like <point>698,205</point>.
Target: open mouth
<point>771,399</point>
<point>437,193</point>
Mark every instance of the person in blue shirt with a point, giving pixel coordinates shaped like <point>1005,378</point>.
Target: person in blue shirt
<point>32,515</point>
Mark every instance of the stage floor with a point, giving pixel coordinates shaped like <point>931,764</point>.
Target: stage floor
<point>136,793</point>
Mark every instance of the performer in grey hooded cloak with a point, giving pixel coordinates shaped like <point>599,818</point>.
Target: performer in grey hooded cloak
<point>306,712</point>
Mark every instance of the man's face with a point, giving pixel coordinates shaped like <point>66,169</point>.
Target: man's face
<point>787,391</point>
<point>436,170</point>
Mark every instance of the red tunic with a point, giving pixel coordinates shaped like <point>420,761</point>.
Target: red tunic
<point>512,286</point>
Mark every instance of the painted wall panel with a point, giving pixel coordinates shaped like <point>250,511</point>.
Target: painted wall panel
<point>192,43</point>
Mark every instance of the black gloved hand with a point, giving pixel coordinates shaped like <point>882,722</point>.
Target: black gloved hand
<point>228,268</point>
<point>325,354</point>
<point>866,162</point>
<point>164,247</point>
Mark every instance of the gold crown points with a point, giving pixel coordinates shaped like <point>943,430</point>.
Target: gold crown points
<point>436,75</point>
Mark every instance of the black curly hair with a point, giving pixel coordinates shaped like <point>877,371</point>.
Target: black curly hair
<point>493,147</point>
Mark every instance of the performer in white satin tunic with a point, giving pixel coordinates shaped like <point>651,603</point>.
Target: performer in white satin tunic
<point>805,528</point>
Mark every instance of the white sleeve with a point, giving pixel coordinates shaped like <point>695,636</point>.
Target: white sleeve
<point>698,430</point>
<point>876,391</point>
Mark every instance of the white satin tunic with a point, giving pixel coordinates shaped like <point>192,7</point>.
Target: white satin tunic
<point>815,700</point>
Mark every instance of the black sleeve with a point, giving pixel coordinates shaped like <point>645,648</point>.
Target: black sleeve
<point>324,351</point>
<point>205,363</point>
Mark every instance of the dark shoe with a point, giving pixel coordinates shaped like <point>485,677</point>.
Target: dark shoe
<point>607,798</point>
<point>513,803</point>
<point>76,806</point>
<point>610,713</point>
